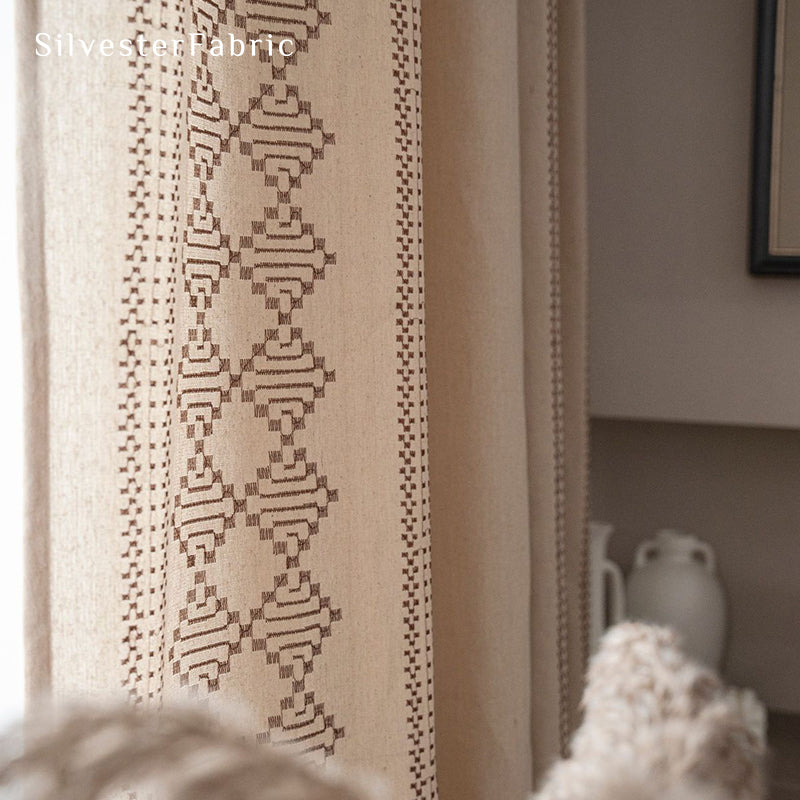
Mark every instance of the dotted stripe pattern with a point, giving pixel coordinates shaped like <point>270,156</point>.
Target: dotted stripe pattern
<point>563,619</point>
<point>147,325</point>
<point>412,401</point>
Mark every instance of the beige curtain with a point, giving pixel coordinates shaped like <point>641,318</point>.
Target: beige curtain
<point>505,270</point>
<point>227,335</point>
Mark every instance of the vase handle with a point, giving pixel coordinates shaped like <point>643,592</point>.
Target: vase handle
<point>707,556</point>
<point>616,595</point>
<point>644,552</point>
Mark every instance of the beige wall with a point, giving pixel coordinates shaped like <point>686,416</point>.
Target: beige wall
<point>680,331</point>
<point>737,488</point>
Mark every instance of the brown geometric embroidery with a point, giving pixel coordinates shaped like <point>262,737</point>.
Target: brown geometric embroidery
<point>280,379</point>
<point>412,401</point>
<point>279,257</point>
<point>208,635</point>
<point>298,20</point>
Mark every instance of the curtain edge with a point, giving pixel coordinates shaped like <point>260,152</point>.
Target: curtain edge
<point>34,313</point>
<point>574,281</point>
<point>551,76</point>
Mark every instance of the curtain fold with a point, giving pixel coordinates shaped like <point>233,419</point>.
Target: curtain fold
<point>506,343</point>
<point>231,345</point>
<point>475,336</point>
<point>555,257</point>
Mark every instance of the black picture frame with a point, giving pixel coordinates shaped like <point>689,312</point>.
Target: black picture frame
<point>762,262</point>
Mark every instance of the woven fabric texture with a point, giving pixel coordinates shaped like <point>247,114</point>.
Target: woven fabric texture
<point>230,348</point>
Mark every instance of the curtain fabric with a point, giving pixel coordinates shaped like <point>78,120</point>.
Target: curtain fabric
<point>506,323</point>
<point>236,442</point>
<point>229,347</point>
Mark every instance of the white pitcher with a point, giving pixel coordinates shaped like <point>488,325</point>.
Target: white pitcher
<point>606,585</point>
<point>674,582</point>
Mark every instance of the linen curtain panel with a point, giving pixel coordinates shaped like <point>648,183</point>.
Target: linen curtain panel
<point>268,468</point>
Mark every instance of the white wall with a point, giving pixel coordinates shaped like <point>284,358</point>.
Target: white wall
<point>679,330</point>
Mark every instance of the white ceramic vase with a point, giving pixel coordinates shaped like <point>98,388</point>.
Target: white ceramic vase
<point>674,582</point>
<point>606,585</point>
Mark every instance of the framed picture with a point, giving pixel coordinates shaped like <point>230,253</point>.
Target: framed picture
<point>775,233</point>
